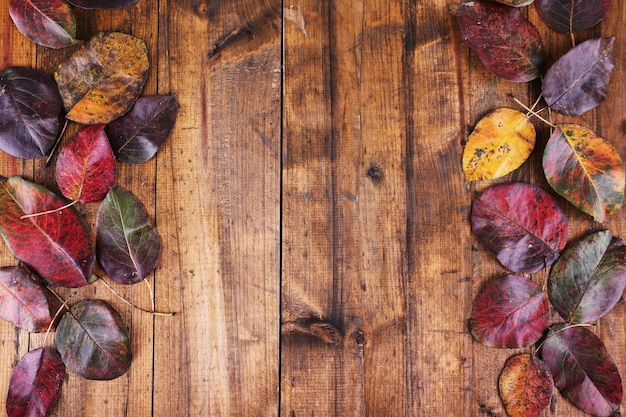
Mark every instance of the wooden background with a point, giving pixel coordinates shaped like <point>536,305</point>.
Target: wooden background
<point>313,211</point>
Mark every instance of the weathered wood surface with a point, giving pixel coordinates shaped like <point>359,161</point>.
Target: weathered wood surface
<point>313,211</point>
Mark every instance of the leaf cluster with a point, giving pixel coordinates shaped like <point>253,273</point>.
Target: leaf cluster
<point>523,225</point>
<point>99,88</point>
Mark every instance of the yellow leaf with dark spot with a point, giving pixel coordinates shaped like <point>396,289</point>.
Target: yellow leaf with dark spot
<point>500,143</point>
<point>101,81</point>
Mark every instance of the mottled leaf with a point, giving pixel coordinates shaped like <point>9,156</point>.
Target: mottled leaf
<point>85,168</point>
<point>589,278</point>
<point>102,80</point>
<point>128,245</point>
<point>57,245</point>
<point>30,106</point>
<point>35,383</point>
<point>49,23</point>
<point>568,16</point>
<point>102,4</point>
<point>526,386</point>
<point>136,136</point>
<point>521,224</point>
<point>510,312</point>
<point>578,81</point>
<point>23,300</point>
<point>585,169</point>
<point>583,370</point>
<point>505,41</point>
<point>500,143</point>
<point>93,341</point>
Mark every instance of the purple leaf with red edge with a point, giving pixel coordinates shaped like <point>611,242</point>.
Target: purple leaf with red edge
<point>526,386</point>
<point>505,41</point>
<point>510,312</point>
<point>102,4</point>
<point>568,16</point>
<point>30,106</point>
<point>93,341</point>
<point>57,245</point>
<point>583,370</point>
<point>86,166</point>
<point>578,81</point>
<point>23,300</point>
<point>49,23</point>
<point>521,224</point>
<point>128,245</point>
<point>589,278</point>
<point>35,383</point>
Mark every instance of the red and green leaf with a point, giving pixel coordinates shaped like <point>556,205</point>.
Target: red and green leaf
<point>583,370</point>
<point>23,300</point>
<point>589,278</point>
<point>49,23</point>
<point>30,106</point>
<point>568,16</point>
<point>505,41</point>
<point>93,341</point>
<point>521,224</point>
<point>86,168</point>
<point>585,169</point>
<point>526,386</point>
<point>578,81</point>
<point>35,383</point>
<point>136,136</point>
<point>510,312</point>
<point>56,245</point>
<point>128,245</point>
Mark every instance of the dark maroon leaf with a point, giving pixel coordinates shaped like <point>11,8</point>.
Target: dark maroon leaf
<point>526,386</point>
<point>128,245</point>
<point>56,245</point>
<point>102,4</point>
<point>23,300</point>
<point>589,278</point>
<point>504,40</point>
<point>583,370</point>
<point>30,106</point>
<point>578,81</point>
<point>568,16</point>
<point>85,168</point>
<point>48,23</point>
<point>510,312</point>
<point>521,224</point>
<point>93,341</point>
<point>136,136</point>
<point>35,383</point>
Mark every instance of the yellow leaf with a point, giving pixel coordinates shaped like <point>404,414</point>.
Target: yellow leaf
<point>500,143</point>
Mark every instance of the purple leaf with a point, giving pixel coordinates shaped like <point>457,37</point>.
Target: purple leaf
<point>23,300</point>
<point>49,23</point>
<point>568,16</point>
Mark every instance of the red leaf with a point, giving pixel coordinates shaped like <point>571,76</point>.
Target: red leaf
<point>583,370</point>
<point>568,16</point>
<point>23,301</point>
<point>56,245</point>
<point>521,224</point>
<point>49,23</point>
<point>86,166</point>
<point>35,383</point>
<point>504,40</point>
<point>526,386</point>
<point>510,312</point>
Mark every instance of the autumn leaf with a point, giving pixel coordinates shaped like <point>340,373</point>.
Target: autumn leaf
<point>49,23</point>
<point>568,16</point>
<point>30,106</point>
<point>578,81</point>
<point>583,370</point>
<point>128,245</point>
<point>93,341</point>
<point>136,136</point>
<point>102,4</point>
<point>500,143</point>
<point>505,41</point>
<point>57,246</point>
<point>521,224</point>
<point>23,301</point>
<point>585,169</point>
<point>85,167</point>
<point>101,81</point>
<point>526,386</point>
<point>35,383</point>
<point>515,3</point>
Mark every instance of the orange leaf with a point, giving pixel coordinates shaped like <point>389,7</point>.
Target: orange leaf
<point>526,386</point>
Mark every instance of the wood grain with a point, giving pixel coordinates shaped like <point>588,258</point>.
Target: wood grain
<point>313,211</point>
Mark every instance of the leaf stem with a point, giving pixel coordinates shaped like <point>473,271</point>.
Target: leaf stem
<point>41,213</point>
<point>538,348</point>
<point>56,143</point>
<point>64,305</point>
<point>534,113</point>
<point>118,295</point>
